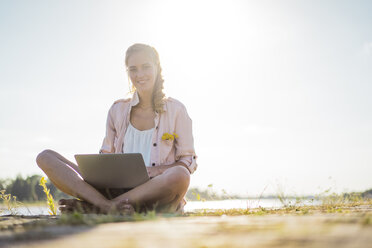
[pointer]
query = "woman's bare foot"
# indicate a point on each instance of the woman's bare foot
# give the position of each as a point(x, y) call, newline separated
point(123, 207)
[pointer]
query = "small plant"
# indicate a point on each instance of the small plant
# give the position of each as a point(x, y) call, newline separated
point(50, 200)
point(289, 202)
point(10, 202)
point(198, 197)
point(150, 215)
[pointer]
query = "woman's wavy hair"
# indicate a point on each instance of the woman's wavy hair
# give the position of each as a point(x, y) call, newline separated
point(157, 93)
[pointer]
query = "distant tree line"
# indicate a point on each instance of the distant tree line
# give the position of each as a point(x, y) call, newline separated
point(196, 194)
point(28, 189)
point(367, 194)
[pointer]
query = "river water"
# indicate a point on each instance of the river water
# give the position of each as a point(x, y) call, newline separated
point(190, 206)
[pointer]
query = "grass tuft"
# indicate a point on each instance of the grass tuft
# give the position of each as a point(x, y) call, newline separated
point(78, 218)
point(10, 202)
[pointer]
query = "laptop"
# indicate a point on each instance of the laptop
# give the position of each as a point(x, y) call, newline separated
point(112, 170)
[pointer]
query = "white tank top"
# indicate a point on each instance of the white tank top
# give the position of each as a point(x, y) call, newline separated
point(136, 141)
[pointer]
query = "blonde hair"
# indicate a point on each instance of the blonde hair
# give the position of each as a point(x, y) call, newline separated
point(157, 93)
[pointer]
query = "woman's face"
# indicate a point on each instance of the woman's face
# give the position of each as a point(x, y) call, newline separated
point(142, 72)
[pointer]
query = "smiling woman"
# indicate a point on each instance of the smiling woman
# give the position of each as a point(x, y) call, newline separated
point(137, 125)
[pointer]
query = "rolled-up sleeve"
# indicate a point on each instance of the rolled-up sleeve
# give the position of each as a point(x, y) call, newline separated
point(108, 141)
point(184, 144)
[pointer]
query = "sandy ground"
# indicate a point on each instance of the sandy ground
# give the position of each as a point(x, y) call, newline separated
point(348, 229)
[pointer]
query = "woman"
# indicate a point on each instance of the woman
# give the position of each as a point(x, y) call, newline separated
point(148, 123)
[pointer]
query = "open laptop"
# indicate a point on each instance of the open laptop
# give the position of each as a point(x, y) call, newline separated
point(111, 170)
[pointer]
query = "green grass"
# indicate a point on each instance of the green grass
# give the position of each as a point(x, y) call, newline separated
point(330, 203)
point(10, 202)
point(77, 218)
point(296, 210)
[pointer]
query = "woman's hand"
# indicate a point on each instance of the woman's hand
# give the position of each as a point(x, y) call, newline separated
point(154, 171)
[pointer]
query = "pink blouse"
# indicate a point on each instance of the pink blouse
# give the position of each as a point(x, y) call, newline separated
point(174, 119)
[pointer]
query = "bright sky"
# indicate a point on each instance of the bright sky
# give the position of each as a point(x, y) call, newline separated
point(279, 91)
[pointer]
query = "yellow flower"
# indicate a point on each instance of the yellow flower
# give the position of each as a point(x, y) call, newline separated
point(50, 200)
point(168, 136)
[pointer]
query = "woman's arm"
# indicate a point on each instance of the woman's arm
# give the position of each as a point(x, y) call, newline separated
point(184, 144)
point(158, 170)
point(108, 141)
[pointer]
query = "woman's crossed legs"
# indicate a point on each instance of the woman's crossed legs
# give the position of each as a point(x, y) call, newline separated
point(163, 192)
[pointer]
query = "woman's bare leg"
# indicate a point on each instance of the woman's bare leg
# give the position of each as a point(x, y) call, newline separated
point(65, 176)
point(165, 191)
